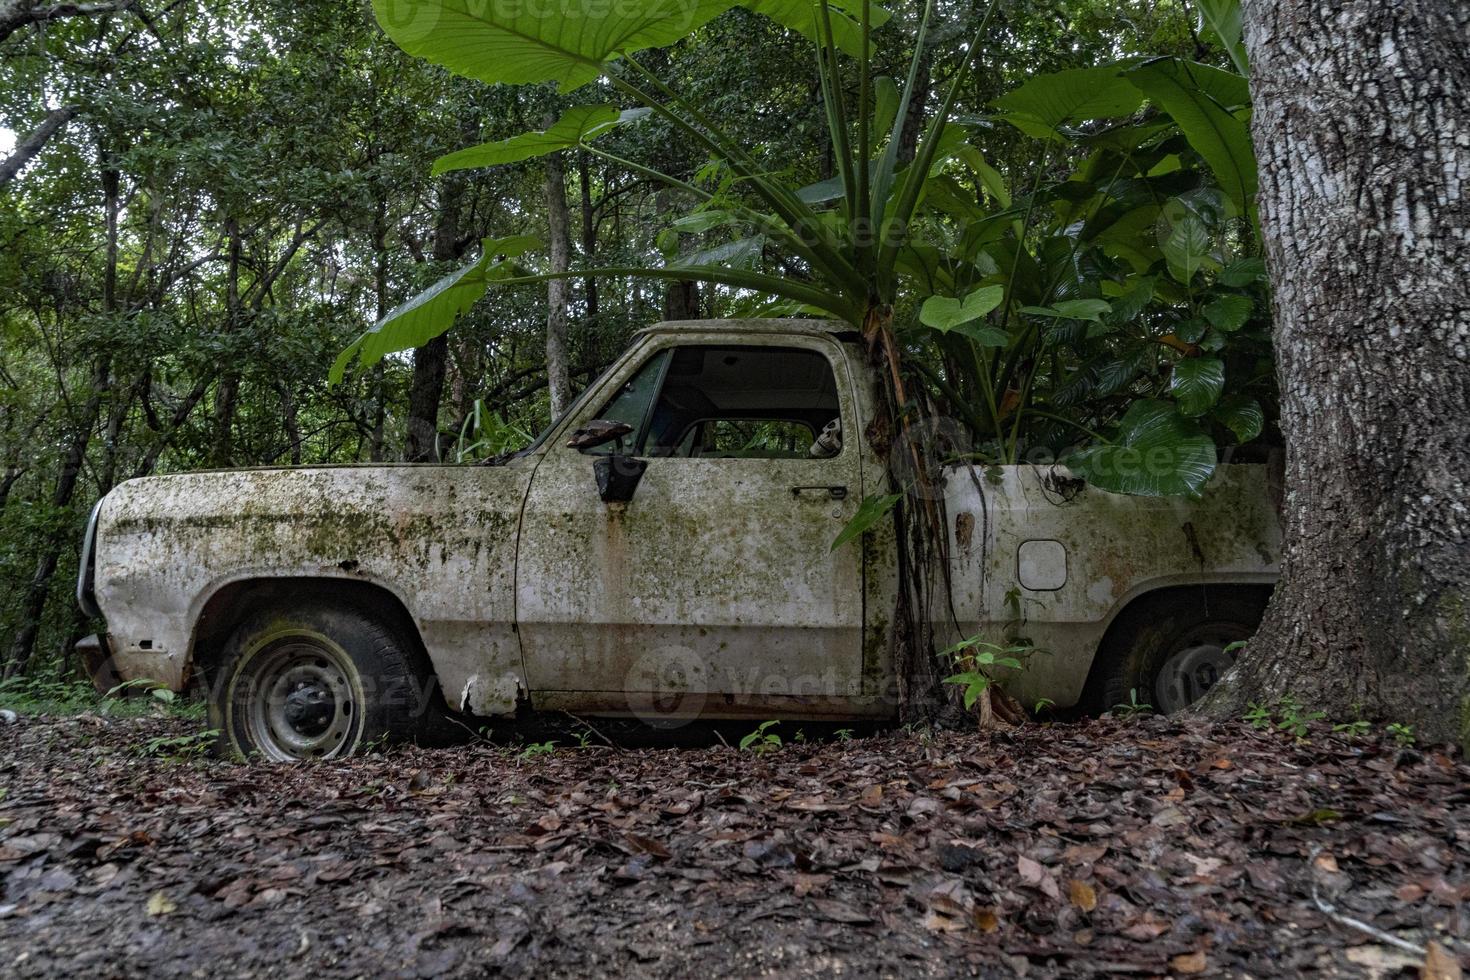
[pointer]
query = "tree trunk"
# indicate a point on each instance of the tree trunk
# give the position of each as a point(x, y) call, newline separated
point(1362, 128)
point(33, 605)
point(557, 290)
point(589, 239)
point(427, 388)
point(227, 396)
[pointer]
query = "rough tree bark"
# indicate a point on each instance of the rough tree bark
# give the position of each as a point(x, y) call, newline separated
point(1362, 128)
point(558, 291)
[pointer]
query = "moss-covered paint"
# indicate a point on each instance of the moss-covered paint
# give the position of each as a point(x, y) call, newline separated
point(714, 591)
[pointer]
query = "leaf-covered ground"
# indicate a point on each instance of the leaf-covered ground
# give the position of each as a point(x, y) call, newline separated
point(1103, 848)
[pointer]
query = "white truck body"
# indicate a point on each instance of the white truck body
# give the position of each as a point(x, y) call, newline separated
point(714, 591)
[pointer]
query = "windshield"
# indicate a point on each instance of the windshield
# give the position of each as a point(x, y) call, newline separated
point(576, 404)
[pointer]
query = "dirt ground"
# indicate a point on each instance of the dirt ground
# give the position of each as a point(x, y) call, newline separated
point(1137, 848)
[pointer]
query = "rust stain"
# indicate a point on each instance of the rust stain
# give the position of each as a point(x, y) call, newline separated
point(964, 529)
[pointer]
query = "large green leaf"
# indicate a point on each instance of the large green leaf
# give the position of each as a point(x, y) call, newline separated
point(801, 16)
point(944, 313)
point(1242, 415)
point(1228, 311)
point(1158, 453)
point(433, 311)
point(1072, 309)
point(576, 126)
point(1044, 102)
point(1197, 383)
point(519, 43)
point(1195, 96)
point(1186, 247)
point(1222, 19)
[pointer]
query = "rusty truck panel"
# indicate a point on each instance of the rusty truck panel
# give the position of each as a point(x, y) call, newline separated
point(441, 539)
point(1040, 555)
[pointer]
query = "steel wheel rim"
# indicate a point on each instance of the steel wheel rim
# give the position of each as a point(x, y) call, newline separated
point(301, 701)
point(1195, 664)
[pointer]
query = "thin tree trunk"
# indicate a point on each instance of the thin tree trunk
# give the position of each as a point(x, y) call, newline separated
point(33, 605)
point(681, 296)
point(558, 290)
point(226, 397)
point(589, 239)
point(429, 361)
point(380, 307)
point(290, 421)
point(1362, 128)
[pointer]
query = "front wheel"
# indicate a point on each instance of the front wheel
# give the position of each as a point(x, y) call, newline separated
point(316, 682)
point(1169, 651)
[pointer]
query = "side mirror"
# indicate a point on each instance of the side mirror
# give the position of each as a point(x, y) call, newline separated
point(617, 477)
point(597, 432)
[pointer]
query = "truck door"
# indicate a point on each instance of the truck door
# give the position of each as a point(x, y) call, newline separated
point(715, 589)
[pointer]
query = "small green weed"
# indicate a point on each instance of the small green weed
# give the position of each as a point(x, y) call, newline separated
point(762, 740)
point(180, 747)
point(536, 750)
point(1286, 714)
point(1401, 734)
point(1132, 708)
point(974, 658)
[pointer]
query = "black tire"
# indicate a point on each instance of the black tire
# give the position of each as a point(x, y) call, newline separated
point(317, 680)
point(1188, 623)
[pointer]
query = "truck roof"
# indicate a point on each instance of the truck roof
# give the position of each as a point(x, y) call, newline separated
point(753, 325)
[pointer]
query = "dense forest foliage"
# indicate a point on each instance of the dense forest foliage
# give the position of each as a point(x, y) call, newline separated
point(203, 204)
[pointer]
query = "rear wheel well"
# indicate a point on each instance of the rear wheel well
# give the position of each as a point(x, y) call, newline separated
point(227, 608)
point(1159, 604)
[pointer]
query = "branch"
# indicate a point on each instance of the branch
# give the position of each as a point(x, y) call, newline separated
point(26, 151)
point(21, 13)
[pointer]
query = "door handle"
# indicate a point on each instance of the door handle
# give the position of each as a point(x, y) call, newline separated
point(835, 492)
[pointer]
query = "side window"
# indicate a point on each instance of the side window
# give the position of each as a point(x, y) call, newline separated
point(744, 402)
point(632, 402)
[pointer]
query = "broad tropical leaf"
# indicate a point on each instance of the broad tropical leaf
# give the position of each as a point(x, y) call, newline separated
point(1044, 102)
point(1242, 415)
point(1186, 247)
point(1197, 384)
point(1222, 18)
point(519, 43)
point(1195, 97)
point(1228, 312)
point(1073, 309)
point(1243, 272)
point(1158, 453)
point(944, 313)
point(576, 126)
point(801, 16)
point(433, 311)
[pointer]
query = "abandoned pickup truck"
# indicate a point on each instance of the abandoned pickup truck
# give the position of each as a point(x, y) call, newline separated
point(663, 551)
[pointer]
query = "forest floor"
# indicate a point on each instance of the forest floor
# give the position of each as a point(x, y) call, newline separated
point(1113, 847)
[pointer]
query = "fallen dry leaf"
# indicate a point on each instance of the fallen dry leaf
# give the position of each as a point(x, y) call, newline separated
point(1083, 895)
point(160, 904)
point(1439, 964)
point(1189, 962)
